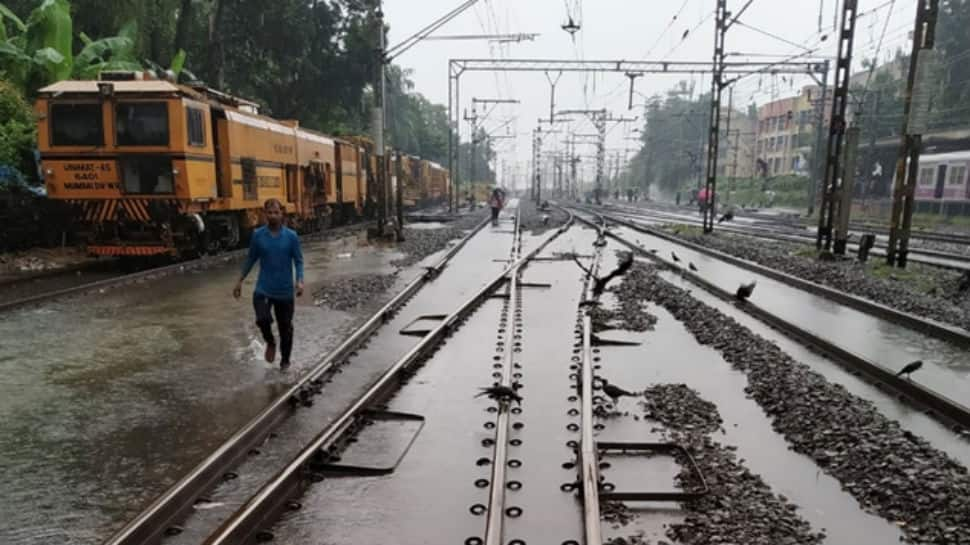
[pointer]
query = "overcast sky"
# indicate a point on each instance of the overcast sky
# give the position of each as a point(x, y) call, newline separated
point(621, 30)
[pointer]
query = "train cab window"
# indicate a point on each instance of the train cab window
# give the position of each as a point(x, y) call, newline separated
point(142, 123)
point(958, 176)
point(195, 126)
point(926, 176)
point(147, 175)
point(76, 125)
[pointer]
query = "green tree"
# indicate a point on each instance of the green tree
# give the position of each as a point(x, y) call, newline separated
point(17, 130)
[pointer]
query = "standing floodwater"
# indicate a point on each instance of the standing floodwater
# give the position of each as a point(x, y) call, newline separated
point(107, 399)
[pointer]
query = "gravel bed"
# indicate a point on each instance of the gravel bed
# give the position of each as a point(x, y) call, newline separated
point(740, 507)
point(352, 292)
point(420, 243)
point(890, 471)
point(930, 292)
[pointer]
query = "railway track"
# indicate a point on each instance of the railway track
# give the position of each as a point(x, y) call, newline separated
point(111, 279)
point(797, 224)
point(947, 260)
point(943, 405)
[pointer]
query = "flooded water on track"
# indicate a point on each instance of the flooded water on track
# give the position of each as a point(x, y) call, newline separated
point(109, 398)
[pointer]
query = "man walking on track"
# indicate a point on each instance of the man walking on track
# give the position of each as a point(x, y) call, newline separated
point(496, 202)
point(277, 248)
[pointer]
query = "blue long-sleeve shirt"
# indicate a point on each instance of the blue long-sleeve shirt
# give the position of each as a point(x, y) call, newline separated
point(277, 256)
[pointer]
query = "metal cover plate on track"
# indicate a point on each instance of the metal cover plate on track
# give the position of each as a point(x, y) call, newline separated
point(422, 325)
point(380, 445)
point(598, 340)
point(648, 450)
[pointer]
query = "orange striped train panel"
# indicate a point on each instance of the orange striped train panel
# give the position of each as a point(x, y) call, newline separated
point(129, 250)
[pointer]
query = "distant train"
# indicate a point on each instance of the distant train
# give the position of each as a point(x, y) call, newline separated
point(150, 167)
point(942, 185)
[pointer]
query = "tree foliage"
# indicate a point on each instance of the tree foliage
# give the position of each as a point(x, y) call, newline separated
point(673, 138)
point(17, 129)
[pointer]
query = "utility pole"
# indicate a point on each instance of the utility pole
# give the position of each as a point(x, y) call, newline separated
point(599, 120)
point(377, 122)
point(817, 169)
point(837, 126)
point(473, 122)
point(536, 149)
point(721, 25)
point(843, 196)
point(915, 113)
point(727, 129)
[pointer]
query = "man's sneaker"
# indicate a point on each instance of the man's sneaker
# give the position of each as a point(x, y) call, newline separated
point(270, 354)
point(284, 365)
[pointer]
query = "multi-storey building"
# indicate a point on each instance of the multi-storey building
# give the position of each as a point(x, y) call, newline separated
point(786, 133)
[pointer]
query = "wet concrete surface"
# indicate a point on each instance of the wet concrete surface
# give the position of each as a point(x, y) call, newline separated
point(427, 499)
point(946, 369)
point(109, 398)
point(549, 318)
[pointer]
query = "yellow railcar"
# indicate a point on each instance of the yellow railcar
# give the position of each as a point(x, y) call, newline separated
point(151, 167)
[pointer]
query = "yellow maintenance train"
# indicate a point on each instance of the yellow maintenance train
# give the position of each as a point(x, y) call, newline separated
point(151, 167)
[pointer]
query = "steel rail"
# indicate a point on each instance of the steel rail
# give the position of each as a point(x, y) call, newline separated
point(165, 270)
point(796, 223)
point(588, 456)
point(260, 509)
point(952, 412)
point(927, 259)
point(150, 525)
point(926, 326)
point(495, 524)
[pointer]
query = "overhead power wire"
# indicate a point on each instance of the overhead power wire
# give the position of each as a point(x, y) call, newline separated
point(413, 39)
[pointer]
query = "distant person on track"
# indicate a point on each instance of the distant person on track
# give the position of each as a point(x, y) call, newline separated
point(277, 248)
point(496, 202)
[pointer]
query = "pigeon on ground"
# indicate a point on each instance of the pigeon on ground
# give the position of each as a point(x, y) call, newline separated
point(676, 259)
point(745, 291)
point(691, 266)
point(501, 393)
point(615, 392)
point(910, 368)
point(964, 282)
point(728, 216)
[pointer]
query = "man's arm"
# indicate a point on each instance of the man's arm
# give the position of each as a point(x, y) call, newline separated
point(298, 262)
point(251, 259)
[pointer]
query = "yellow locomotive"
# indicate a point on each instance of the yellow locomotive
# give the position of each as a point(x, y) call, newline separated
point(151, 167)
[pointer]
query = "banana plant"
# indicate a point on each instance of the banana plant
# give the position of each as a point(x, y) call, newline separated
point(40, 52)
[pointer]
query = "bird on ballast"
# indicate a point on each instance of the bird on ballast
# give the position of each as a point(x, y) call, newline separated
point(910, 368)
point(653, 250)
point(964, 282)
point(501, 393)
point(599, 286)
point(745, 291)
point(676, 259)
point(615, 392)
point(728, 216)
point(691, 266)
